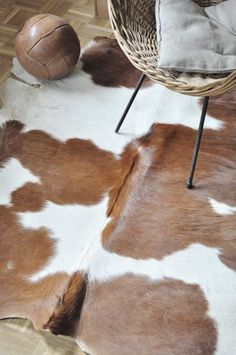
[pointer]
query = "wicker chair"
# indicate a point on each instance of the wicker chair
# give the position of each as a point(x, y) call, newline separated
point(134, 26)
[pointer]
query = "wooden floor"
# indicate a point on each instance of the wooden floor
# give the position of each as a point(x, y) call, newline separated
point(17, 336)
point(13, 14)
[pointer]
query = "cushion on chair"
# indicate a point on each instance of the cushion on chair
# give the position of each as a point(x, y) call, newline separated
point(224, 14)
point(189, 41)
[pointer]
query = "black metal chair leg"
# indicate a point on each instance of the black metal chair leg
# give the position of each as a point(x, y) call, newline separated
point(198, 142)
point(130, 102)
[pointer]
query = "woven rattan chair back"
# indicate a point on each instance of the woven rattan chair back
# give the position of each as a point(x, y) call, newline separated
point(134, 25)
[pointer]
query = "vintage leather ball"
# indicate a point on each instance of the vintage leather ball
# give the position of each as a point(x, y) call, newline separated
point(47, 47)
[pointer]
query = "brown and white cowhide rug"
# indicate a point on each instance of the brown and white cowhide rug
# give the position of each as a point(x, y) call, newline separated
point(100, 239)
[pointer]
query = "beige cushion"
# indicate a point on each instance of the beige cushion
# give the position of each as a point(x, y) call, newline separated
point(189, 41)
point(224, 14)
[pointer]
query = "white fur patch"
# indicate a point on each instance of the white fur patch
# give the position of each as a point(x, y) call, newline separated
point(221, 208)
point(22, 74)
point(75, 107)
point(13, 176)
point(74, 228)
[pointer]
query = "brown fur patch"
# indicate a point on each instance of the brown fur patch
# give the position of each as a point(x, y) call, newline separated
point(72, 172)
point(132, 315)
point(156, 215)
point(28, 198)
point(17, 243)
point(35, 301)
point(64, 319)
point(223, 107)
point(108, 66)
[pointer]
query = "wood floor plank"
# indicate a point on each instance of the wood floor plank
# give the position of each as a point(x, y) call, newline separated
point(19, 337)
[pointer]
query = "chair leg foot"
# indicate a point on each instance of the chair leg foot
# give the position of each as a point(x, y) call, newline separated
point(189, 185)
point(130, 102)
point(197, 143)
